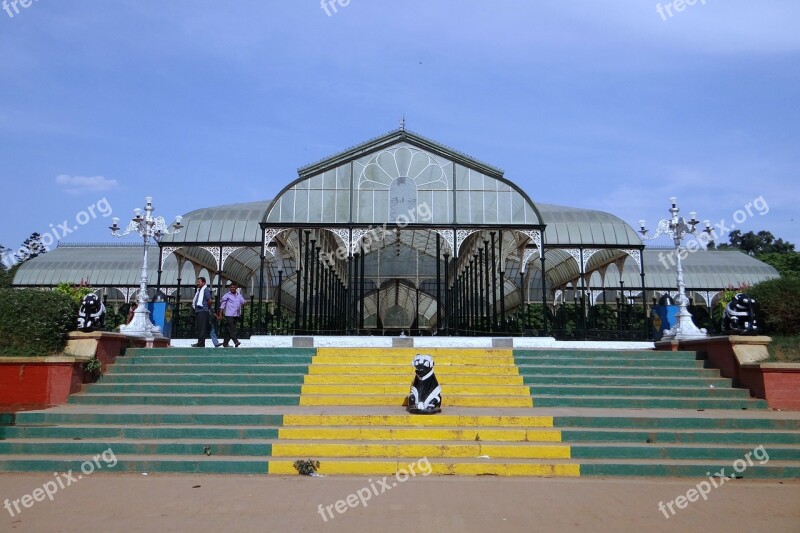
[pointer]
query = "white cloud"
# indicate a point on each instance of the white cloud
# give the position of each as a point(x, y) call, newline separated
point(81, 184)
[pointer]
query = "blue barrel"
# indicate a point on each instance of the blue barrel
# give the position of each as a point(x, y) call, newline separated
point(663, 317)
point(161, 315)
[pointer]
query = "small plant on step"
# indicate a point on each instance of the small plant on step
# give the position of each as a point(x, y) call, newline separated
point(92, 366)
point(306, 467)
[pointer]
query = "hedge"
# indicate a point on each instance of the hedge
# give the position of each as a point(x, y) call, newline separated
point(778, 300)
point(35, 322)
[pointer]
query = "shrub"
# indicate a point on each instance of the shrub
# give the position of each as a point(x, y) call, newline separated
point(778, 300)
point(35, 322)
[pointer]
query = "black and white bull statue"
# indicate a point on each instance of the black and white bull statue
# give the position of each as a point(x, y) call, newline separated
point(92, 314)
point(426, 394)
point(740, 317)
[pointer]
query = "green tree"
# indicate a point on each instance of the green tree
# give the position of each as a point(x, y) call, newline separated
point(787, 264)
point(763, 242)
point(32, 247)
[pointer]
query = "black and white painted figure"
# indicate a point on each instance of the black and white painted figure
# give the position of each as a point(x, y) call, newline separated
point(740, 316)
point(426, 394)
point(92, 314)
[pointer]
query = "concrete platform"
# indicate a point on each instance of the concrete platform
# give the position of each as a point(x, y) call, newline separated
point(210, 503)
point(287, 341)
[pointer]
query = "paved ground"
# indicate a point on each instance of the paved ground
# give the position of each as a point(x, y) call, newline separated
point(126, 503)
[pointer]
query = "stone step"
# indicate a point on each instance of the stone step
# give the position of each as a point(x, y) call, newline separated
point(632, 381)
point(598, 370)
point(188, 388)
point(609, 361)
point(647, 402)
point(113, 377)
point(183, 399)
point(210, 368)
point(663, 391)
point(751, 438)
point(396, 400)
point(83, 432)
point(623, 354)
point(226, 359)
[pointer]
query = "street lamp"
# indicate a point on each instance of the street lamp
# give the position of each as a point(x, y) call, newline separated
point(677, 228)
point(147, 226)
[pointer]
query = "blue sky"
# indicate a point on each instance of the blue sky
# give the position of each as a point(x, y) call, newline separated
point(602, 105)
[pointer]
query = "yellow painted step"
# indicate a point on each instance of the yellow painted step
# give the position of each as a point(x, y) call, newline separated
point(387, 359)
point(444, 379)
point(471, 450)
point(406, 370)
point(403, 389)
point(397, 400)
point(390, 468)
point(407, 420)
point(409, 353)
point(430, 434)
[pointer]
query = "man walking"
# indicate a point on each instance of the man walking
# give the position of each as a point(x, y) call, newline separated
point(231, 306)
point(201, 303)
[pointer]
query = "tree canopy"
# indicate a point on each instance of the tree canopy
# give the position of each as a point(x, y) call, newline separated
point(765, 247)
point(763, 242)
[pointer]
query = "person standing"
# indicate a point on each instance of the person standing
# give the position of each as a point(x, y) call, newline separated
point(231, 306)
point(201, 303)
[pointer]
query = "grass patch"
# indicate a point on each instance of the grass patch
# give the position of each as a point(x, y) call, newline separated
point(784, 349)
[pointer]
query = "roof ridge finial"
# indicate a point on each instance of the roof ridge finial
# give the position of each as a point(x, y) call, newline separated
point(403, 123)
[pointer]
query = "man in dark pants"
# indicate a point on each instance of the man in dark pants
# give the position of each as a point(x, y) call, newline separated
point(231, 306)
point(201, 303)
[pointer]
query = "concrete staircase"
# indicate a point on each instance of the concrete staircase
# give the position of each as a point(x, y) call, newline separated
point(521, 412)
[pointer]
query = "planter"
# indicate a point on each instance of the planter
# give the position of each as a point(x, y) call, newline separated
point(41, 382)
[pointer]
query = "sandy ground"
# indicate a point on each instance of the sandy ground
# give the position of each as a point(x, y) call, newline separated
point(200, 503)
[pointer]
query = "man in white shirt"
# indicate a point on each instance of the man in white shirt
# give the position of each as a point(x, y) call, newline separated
point(201, 303)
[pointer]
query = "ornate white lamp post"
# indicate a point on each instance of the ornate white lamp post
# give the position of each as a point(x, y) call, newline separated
point(148, 227)
point(677, 228)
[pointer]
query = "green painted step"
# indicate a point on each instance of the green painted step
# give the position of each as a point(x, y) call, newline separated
point(694, 436)
point(136, 432)
point(644, 381)
point(628, 354)
point(662, 391)
point(598, 370)
point(182, 388)
point(696, 471)
point(210, 350)
point(229, 359)
point(677, 422)
point(647, 403)
point(89, 448)
point(713, 452)
point(165, 464)
point(174, 399)
point(49, 417)
point(209, 369)
point(213, 378)
point(603, 361)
